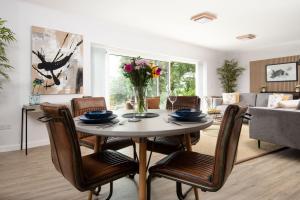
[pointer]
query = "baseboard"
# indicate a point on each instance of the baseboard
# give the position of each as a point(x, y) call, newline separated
point(14, 147)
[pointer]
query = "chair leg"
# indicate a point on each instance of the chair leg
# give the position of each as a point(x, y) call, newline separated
point(258, 144)
point(134, 151)
point(111, 188)
point(135, 157)
point(149, 187)
point(179, 191)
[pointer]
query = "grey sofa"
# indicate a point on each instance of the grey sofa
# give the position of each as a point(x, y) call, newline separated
point(278, 126)
point(249, 100)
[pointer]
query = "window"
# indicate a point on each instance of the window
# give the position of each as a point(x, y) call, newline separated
point(182, 80)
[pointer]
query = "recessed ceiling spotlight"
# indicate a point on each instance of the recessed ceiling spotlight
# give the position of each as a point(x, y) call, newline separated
point(246, 37)
point(204, 17)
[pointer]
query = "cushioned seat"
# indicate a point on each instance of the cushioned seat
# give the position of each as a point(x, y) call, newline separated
point(100, 167)
point(206, 172)
point(186, 166)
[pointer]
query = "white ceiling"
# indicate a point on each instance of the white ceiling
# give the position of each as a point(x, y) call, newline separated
point(275, 22)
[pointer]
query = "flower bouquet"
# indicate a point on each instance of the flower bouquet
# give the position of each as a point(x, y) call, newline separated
point(140, 72)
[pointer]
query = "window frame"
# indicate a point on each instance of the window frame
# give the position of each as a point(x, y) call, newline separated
point(159, 57)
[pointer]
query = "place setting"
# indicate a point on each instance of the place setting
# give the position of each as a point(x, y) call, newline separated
point(100, 119)
point(186, 116)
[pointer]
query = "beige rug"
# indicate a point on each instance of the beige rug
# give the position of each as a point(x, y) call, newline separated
point(247, 148)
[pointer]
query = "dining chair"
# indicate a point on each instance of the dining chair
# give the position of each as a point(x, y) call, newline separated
point(82, 105)
point(170, 144)
point(209, 173)
point(167, 145)
point(153, 102)
point(85, 173)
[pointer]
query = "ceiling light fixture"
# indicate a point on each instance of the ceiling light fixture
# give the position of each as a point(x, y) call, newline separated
point(204, 17)
point(246, 37)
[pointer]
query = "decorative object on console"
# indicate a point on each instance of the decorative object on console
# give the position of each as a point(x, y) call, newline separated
point(297, 88)
point(228, 75)
point(6, 37)
point(263, 88)
point(230, 98)
point(57, 59)
point(282, 72)
point(140, 72)
point(34, 98)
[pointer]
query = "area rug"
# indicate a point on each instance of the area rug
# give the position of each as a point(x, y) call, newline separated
point(247, 148)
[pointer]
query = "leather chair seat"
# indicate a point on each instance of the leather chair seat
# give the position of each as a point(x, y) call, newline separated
point(168, 145)
point(114, 143)
point(190, 167)
point(107, 165)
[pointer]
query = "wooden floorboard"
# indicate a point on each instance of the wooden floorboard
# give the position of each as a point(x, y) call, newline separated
point(271, 177)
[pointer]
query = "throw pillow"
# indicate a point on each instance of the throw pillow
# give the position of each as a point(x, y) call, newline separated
point(230, 98)
point(289, 104)
point(274, 99)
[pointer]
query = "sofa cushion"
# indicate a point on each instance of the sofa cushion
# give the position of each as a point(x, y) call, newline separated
point(289, 104)
point(262, 99)
point(230, 98)
point(274, 99)
point(247, 99)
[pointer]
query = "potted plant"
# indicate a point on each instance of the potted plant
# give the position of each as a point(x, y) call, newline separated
point(6, 37)
point(228, 75)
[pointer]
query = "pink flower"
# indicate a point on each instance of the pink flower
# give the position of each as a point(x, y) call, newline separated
point(157, 71)
point(128, 68)
point(141, 62)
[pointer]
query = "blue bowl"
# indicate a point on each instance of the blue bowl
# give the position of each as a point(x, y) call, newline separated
point(98, 114)
point(188, 112)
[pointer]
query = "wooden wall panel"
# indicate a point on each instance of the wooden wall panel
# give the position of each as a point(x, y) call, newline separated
point(258, 75)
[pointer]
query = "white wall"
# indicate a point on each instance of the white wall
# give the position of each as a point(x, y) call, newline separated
point(244, 58)
point(21, 16)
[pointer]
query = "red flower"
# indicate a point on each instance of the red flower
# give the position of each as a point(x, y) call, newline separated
point(128, 68)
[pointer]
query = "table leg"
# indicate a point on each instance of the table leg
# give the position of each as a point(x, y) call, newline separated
point(142, 169)
point(189, 148)
point(26, 131)
point(22, 125)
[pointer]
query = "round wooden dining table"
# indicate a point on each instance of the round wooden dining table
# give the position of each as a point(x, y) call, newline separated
point(140, 131)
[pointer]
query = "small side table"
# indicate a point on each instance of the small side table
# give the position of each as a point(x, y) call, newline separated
point(25, 110)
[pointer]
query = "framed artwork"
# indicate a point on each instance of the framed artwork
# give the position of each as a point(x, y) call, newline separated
point(282, 72)
point(57, 61)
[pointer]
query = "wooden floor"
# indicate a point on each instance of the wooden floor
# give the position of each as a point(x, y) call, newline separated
point(272, 177)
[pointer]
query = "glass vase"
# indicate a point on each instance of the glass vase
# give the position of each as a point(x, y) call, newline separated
point(34, 99)
point(141, 100)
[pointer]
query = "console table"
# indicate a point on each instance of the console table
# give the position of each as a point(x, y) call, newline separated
point(25, 110)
